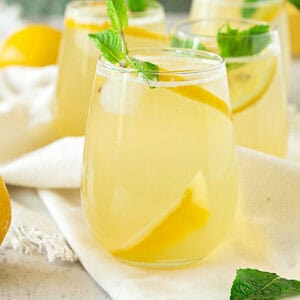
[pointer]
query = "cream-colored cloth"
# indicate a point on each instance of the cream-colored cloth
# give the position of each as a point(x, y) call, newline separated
point(26, 114)
point(265, 234)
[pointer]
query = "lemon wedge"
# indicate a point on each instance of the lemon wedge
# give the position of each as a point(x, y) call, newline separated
point(188, 214)
point(191, 213)
point(34, 45)
point(267, 13)
point(5, 210)
point(249, 82)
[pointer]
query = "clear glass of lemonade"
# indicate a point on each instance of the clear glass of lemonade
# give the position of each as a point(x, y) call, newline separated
point(78, 55)
point(256, 87)
point(272, 11)
point(159, 182)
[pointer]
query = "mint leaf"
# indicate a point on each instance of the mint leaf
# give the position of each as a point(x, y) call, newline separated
point(186, 43)
point(147, 70)
point(251, 284)
point(116, 11)
point(237, 43)
point(137, 5)
point(248, 12)
point(296, 3)
point(109, 42)
point(112, 42)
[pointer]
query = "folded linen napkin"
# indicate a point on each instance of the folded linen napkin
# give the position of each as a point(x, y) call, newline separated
point(26, 114)
point(265, 235)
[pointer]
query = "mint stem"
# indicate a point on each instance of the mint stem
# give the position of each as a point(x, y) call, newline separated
point(123, 48)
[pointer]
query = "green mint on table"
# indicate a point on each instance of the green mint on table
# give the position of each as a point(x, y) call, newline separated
point(186, 43)
point(113, 46)
point(251, 284)
point(237, 43)
point(296, 3)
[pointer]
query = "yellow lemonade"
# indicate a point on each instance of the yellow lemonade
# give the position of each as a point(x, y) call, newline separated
point(256, 87)
point(78, 56)
point(159, 182)
point(294, 25)
point(272, 11)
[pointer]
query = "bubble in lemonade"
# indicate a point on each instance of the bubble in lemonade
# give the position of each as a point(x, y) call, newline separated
point(78, 55)
point(272, 11)
point(159, 183)
point(252, 53)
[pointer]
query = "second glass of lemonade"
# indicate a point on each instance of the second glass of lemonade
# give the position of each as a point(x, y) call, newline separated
point(159, 182)
point(272, 11)
point(255, 77)
point(78, 55)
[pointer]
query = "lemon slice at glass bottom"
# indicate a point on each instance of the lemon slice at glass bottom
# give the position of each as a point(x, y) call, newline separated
point(191, 213)
point(249, 82)
point(188, 213)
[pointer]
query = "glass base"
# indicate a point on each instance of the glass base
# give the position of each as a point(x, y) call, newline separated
point(178, 264)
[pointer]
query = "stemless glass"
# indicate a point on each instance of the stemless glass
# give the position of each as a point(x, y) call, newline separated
point(78, 56)
point(159, 182)
point(256, 86)
point(272, 11)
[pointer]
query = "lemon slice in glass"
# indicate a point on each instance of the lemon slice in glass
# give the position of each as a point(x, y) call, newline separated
point(249, 82)
point(130, 31)
point(267, 13)
point(189, 214)
point(169, 226)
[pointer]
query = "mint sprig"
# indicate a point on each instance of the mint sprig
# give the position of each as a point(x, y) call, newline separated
point(252, 284)
point(248, 12)
point(296, 3)
point(113, 46)
point(236, 43)
point(138, 5)
point(186, 43)
point(117, 14)
point(109, 42)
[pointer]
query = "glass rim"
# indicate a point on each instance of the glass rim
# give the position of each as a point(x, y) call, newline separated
point(259, 3)
point(177, 27)
point(198, 53)
point(78, 4)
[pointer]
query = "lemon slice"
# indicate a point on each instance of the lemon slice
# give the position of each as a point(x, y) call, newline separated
point(187, 213)
point(5, 210)
point(196, 93)
point(134, 31)
point(190, 213)
point(34, 45)
point(267, 13)
point(249, 82)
